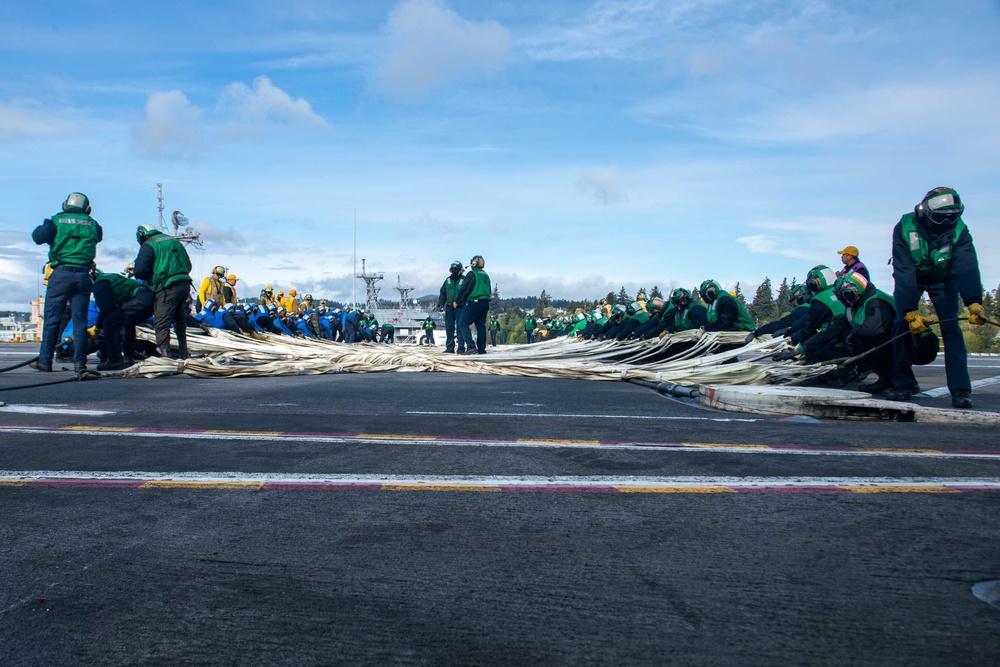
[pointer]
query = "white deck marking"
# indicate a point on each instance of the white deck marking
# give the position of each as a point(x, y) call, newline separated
point(54, 410)
point(938, 392)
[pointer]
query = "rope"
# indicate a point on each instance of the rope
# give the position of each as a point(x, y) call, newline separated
point(685, 358)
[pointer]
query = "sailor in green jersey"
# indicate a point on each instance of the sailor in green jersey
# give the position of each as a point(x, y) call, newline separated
point(72, 237)
point(635, 317)
point(529, 328)
point(448, 301)
point(687, 314)
point(494, 329)
point(474, 297)
point(725, 312)
point(122, 303)
point(932, 252)
point(798, 299)
point(429, 325)
point(164, 265)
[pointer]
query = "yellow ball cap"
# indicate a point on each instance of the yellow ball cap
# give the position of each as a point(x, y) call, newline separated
point(849, 250)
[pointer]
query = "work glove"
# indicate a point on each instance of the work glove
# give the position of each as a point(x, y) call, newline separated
point(851, 343)
point(93, 333)
point(454, 304)
point(977, 315)
point(918, 323)
point(662, 334)
point(750, 338)
point(787, 355)
point(780, 332)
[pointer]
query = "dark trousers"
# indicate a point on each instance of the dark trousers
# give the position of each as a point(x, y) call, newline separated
point(169, 305)
point(493, 338)
point(73, 287)
point(388, 336)
point(474, 312)
point(430, 336)
point(529, 334)
point(944, 296)
point(452, 316)
point(119, 325)
point(350, 332)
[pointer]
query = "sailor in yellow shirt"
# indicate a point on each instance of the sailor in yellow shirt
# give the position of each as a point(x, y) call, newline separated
point(290, 303)
point(211, 287)
point(229, 289)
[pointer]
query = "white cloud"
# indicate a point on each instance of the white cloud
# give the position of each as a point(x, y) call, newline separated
point(431, 46)
point(603, 185)
point(29, 120)
point(176, 129)
point(253, 108)
point(171, 128)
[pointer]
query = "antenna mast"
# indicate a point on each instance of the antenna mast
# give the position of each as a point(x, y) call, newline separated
point(189, 236)
point(371, 291)
point(404, 292)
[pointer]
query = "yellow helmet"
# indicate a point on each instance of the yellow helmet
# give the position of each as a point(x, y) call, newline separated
point(281, 293)
point(232, 276)
point(219, 271)
point(292, 292)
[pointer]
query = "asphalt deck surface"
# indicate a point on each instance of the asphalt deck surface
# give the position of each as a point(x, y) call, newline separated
point(425, 518)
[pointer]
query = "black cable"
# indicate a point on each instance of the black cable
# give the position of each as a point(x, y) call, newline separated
point(23, 363)
point(41, 384)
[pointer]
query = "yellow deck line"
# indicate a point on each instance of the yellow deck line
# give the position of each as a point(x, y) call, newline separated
point(415, 486)
point(183, 484)
point(675, 489)
point(898, 489)
point(115, 429)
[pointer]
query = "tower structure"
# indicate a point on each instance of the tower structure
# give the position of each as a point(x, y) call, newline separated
point(371, 287)
point(404, 292)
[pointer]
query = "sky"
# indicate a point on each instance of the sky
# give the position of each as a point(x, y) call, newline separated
point(578, 146)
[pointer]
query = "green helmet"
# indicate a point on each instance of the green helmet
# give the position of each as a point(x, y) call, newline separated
point(76, 202)
point(655, 305)
point(143, 232)
point(851, 287)
point(709, 291)
point(456, 266)
point(678, 296)
point(941, 208)
point(820, 278)
point(798, 295)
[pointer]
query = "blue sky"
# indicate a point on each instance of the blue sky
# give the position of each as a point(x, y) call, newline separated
point(578, 146)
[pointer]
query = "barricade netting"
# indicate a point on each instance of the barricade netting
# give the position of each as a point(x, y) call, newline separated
point(684, 358)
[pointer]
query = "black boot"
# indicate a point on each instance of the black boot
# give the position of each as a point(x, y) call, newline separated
point(962, 399)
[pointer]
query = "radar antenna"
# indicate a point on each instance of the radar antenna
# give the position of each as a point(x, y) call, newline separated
point(371, 290)
point(189, 236)
point(404, 292)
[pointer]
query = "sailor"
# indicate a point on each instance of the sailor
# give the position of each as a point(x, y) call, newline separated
point(798, 299)
point(687, 314)
point(932, 252)
point(266, 297)
point(824, 306)
point(290, 303)
point(635, 316)
point(529, 328)
point(475, 297)
point(72, 237)
point(388, 333)
point(229, 289)
point(448, 300)
point(164, 264)
point(211, 287)
point(725, 312)
point(122, 303)
point(849, 257)
point(428, 326)
point(494, 329)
